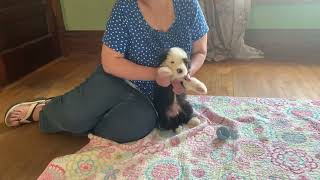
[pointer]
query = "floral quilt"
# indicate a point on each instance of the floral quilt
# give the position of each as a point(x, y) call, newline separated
point(278, 139)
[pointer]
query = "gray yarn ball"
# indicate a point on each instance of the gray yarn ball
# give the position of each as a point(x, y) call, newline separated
point(223, 133)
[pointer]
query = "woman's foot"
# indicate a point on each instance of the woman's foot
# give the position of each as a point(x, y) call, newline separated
point(24, 113)
point(21, 112)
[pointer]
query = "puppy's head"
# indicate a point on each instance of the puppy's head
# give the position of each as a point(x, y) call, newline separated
point(177, 60)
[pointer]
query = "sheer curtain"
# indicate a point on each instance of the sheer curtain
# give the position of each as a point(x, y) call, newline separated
point(227, 20)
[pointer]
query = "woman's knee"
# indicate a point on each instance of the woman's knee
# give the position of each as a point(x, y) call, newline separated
point(77, 122)
point(54, 120)
point(129, 122)
point(128, 131)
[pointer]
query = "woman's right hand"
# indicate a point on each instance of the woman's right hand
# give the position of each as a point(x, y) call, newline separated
point(163, 78)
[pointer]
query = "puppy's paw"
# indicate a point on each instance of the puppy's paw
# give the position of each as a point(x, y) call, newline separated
point(199, 86)
point(193, 122)
point(179, 129)
point(196, 86)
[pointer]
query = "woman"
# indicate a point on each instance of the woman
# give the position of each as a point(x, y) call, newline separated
point(115, 101)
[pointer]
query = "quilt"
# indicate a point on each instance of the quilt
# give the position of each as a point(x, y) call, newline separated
point(278, 139)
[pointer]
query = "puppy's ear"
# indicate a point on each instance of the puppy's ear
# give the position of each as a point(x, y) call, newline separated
point(187, 62)
point(164, 55)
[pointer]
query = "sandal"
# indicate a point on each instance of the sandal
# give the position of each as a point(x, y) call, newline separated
point(28, 117)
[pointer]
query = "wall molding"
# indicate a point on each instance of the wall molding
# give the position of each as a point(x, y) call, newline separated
point(285, 43)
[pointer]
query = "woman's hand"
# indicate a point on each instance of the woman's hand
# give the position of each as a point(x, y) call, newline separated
point(163, 78)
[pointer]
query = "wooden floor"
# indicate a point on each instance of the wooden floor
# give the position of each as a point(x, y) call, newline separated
point(25, 151)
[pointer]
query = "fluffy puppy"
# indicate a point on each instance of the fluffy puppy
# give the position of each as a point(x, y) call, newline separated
point(173, 109)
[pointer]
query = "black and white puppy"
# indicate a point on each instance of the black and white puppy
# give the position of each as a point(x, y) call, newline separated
point(173, 109)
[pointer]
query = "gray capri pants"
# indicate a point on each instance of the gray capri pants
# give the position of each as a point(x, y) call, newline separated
point(104, 105)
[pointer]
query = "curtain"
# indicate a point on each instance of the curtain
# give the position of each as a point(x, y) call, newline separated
point(227, 20)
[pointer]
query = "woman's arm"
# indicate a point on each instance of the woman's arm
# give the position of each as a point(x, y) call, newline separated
point(114, 63)
point(199, 53)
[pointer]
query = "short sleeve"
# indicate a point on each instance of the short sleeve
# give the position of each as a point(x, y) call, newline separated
point(199, 25)
point(116, 34)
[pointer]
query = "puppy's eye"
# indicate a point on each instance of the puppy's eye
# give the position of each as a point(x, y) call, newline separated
point(172, 62)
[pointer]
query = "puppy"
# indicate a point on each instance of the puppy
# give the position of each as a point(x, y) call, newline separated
point(173, 109)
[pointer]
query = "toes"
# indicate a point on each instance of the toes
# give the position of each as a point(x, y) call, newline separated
point(14, 123)
point(14, 118)
point(17, 110)
point(15, 114)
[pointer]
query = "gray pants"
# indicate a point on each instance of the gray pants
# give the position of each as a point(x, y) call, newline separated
point(103, 105)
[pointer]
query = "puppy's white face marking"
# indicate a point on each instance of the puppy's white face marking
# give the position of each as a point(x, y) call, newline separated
point(174, 109)
point(175, 61)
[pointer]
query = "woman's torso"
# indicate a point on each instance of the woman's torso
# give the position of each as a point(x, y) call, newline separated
point(145, 44)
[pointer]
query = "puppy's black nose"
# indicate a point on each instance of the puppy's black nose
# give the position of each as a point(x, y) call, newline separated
point(179, 71)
